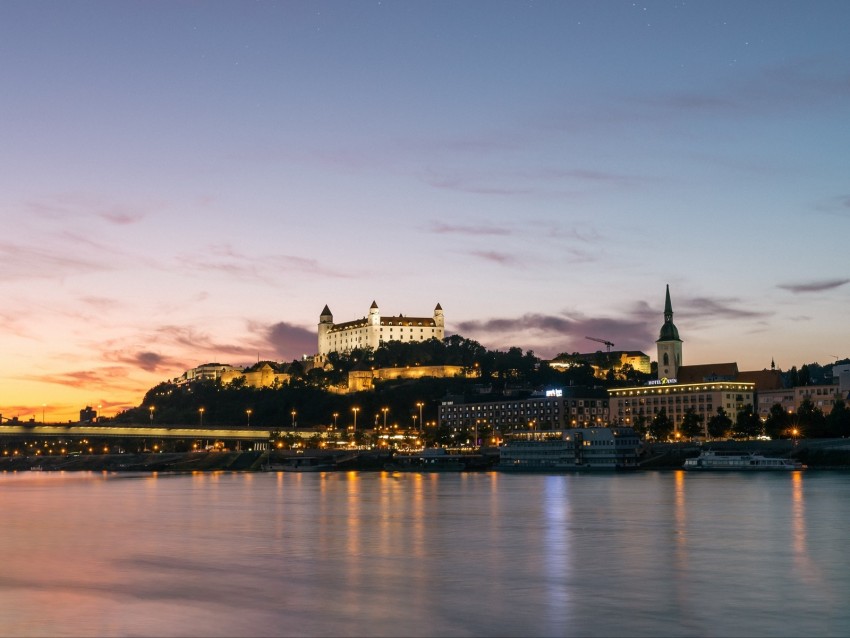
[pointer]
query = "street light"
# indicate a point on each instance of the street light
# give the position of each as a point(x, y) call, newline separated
point(385, 410)
point(248, 412)
point(354, 427)
point(201, 416)
point(419, 405)
point(151, 409)
point(336, 414)
point(293, 419)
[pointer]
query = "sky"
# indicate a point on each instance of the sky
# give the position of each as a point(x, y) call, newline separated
point(191, 182)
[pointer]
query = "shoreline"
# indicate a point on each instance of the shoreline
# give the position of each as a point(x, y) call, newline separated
point(828, 455)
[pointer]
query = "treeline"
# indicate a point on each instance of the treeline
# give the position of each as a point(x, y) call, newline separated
point(808, 422)
point(308, 394)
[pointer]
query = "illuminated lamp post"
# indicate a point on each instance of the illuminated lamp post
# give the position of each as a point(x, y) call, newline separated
point(248, 412)
point(151, 411)
point(419, 405)
point(336, 414)
point(385, 410)
point(201, 416)
point(293, 419)
point(354, 427)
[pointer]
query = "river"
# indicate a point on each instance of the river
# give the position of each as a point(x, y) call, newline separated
point(381, 554)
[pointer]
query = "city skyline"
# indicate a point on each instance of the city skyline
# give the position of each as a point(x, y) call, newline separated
point(192, 183)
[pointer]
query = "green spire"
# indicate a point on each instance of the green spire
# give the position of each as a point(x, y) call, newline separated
point(669, 332)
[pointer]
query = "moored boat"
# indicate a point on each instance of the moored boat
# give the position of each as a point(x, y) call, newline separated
point(430, 460)
point(595, 448)
point(710, 460)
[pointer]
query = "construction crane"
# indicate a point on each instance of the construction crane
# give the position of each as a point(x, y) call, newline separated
point(608, 344)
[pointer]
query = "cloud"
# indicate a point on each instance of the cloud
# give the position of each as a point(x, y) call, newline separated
point(199, 342)
point(552, 180)
point(707, 307)
point(267, 268)
point(290, 341)
point(814, 286)
point(19, 261)
point(442, 228)
point(63, 206)
point(494, 256)
point(553, 334)
point(113, 378)
point(797, 83)
point(838, 205)
point(148, 361)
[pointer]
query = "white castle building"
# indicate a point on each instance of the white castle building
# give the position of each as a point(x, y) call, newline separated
point(373, 330)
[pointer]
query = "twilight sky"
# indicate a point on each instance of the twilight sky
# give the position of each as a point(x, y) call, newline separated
point(186, 182)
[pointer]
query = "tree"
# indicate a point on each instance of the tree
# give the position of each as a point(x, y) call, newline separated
point(661, 427)
point(641, 424)
point(777, 422)
point(838, 420)
point(691, 424)
point(747, 423)
point(719, 425)
point(810, 420)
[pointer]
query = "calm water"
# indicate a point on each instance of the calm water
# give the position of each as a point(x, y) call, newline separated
point(377, 554)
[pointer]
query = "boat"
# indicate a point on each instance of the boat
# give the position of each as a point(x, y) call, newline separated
point(430, 460)
point(595, 448)
point(710, 460)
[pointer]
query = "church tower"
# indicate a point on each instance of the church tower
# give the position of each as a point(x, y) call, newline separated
point(668, 343)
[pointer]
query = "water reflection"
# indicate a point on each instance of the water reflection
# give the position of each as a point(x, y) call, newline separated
point(656, 554)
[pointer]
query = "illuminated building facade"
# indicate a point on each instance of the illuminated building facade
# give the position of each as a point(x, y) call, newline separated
point(553, 410)
point(676, 398)
point(373, 330)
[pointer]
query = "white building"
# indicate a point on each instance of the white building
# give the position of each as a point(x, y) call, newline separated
point(373, 330)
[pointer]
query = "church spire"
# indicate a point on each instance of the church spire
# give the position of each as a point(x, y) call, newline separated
point(669, 332)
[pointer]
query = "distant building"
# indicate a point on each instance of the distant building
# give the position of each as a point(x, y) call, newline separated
point(554, 409)
point(605, 362)
point(87, 415)
point(263, 374)
point(206, 372)
point(359, 380)
point(676, 398)
point(703, 388)
point(373, 330)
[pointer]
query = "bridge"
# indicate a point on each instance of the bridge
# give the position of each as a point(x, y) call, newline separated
point(102, 430)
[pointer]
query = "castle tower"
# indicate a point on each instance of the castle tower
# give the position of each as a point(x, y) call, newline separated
point(374, 315)
point(668, 343)
point(439, 320)
point(326, 322)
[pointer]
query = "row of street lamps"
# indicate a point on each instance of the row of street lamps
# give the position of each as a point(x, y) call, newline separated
point(354, 410)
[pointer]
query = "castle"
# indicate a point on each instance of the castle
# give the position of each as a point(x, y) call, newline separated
point(374, 330)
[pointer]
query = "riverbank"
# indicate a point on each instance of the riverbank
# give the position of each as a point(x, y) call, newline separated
point(815, 454)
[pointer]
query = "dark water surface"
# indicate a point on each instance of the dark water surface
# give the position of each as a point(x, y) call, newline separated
point(379, 554)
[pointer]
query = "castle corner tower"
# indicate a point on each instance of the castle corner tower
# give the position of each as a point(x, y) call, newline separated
point(669, 345)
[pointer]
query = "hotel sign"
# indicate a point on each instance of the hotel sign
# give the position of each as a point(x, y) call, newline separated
point(554, 393)
point(662, 381)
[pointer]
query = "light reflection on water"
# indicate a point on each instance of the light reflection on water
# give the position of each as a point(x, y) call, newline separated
point(382, 554)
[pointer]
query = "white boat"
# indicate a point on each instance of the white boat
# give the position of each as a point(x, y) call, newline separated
point(710, 460)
